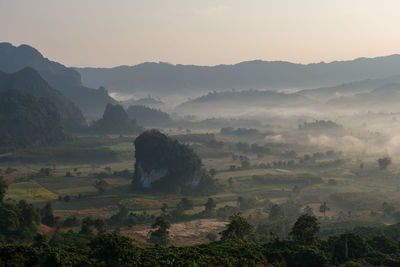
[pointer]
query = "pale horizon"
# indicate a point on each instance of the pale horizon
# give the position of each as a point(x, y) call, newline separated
point(109, 34)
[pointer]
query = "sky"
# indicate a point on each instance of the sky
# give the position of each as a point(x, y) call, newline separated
point(105, 33)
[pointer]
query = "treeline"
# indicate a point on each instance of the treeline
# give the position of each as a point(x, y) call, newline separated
point(238, 246)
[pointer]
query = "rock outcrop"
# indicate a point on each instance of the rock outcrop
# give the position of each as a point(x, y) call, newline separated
point(164, 164)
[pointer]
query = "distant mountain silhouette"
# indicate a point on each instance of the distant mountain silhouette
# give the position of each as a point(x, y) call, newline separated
point(29, 81)
point(91, 101)
point(164, 78)
point(26, 120)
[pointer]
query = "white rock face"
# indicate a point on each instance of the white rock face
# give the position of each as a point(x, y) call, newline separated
point(146, 178)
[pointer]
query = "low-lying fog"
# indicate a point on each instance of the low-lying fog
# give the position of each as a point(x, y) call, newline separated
point(370, 116)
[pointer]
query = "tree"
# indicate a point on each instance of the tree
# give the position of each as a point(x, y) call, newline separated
point(86, 227)
point(9, 221)
point(246, 203)
point(161, 235)
point(210, 205)
point(383, 244)
point(323, 208)
point(100, 225)
point(164, 207)
point(178, 212)
point(387, 209)
point(348, 246)
point(113, 249)
point(71, 221)
point(3, 188)
point(384, 162)
point(101, 185)
point(276, 212)
point(238, 228)
point(308, 210)
point(245, 162)
point(212, 172)
point(305, 229)
point(47, 215)
point(230, 182)
point(39, 241)
point(29, 215)
point(187, 204)
point(121, 216)
point(296, 190)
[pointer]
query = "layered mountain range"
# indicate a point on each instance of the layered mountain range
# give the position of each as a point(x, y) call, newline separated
point(91, 102)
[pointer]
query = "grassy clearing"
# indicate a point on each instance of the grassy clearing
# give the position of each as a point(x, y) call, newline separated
point(29, 191)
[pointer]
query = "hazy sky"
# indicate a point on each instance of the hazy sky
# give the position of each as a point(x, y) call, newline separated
point(202, 32)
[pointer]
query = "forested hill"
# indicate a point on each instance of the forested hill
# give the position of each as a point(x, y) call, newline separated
point(244, 99)
point(115, 120)
point(29, 81)
point(255, 74)
point(26, 120)
point(148, 116)
point(91, 101)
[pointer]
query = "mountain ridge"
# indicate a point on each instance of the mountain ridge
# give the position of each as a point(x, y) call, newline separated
point(257, 74)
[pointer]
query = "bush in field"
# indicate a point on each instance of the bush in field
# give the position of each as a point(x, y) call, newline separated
point(212, 236)
point(87, 225)
point(209, 206)
point(71, 221)
point(187, 204)
point(226, 211)
point(3, 188)
point(246, 203)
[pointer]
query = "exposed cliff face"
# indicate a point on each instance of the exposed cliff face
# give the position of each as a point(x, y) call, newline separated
point(148, 178)
point(164, 164)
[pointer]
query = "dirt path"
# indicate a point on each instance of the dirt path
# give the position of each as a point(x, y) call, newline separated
point(182, 234)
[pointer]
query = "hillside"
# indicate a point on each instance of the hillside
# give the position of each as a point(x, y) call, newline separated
point(385, 98)
point(238, 101)
point(29, 81)
point(345, 89)
point(26, 120)
point(148, 116)
point(91, 101)
point(147, 101)
point(257, 74)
